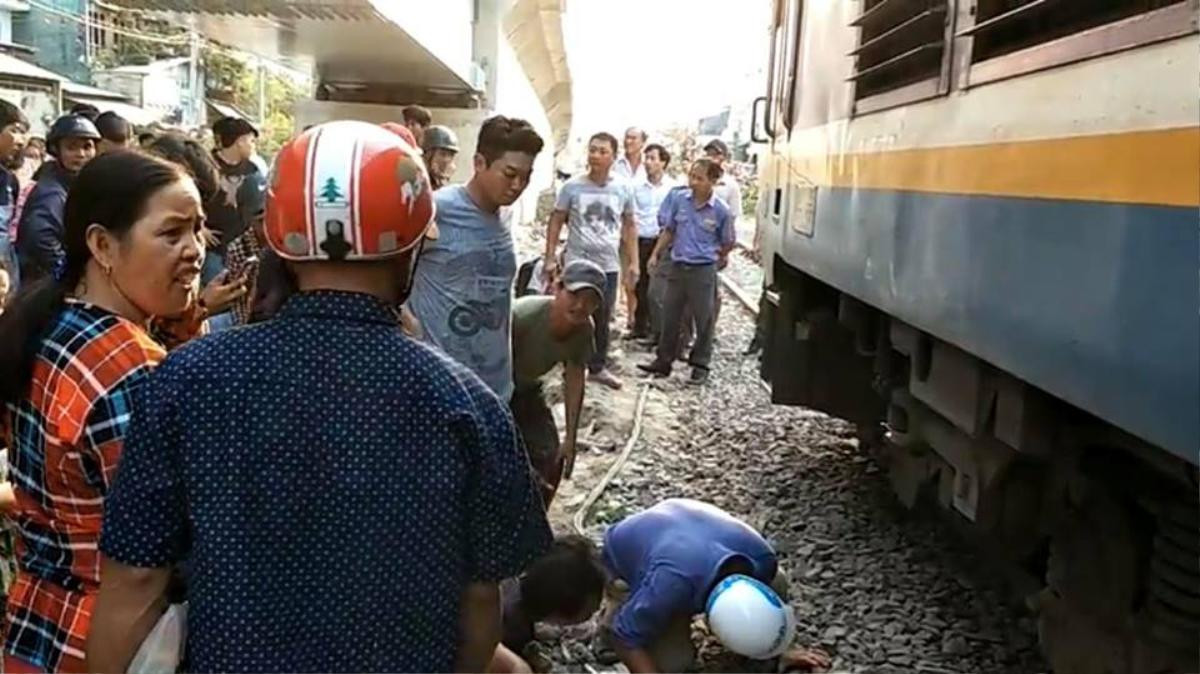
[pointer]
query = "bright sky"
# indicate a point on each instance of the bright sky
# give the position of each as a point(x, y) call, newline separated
point(661, 63)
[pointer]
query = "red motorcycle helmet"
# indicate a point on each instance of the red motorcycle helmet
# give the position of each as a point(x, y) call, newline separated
point(402, 131)
point(345, 191)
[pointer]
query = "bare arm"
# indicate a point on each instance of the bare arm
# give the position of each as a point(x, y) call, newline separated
point(505, 661)
point(664, 242)
point(8, 498)
point(638, 660)
point(410, 324)
point(573, 380)
point(131, 601)
point(629, 240)
point(553, 230)
point(479, 627)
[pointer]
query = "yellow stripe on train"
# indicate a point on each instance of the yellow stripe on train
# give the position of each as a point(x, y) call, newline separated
point(1142, 167)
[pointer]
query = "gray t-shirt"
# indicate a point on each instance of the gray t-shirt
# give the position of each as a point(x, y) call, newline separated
point(462, 292)
point(594, 219)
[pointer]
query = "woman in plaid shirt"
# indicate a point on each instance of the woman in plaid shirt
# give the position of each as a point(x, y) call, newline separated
point(73, 348)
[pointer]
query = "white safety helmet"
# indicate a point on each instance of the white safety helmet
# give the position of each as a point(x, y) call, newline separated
point(749, 618)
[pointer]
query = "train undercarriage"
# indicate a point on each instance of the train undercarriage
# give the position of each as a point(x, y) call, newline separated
point(1099, 530)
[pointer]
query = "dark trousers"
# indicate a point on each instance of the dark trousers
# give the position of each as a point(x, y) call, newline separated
point(658, 292)
point(694, 287)
point(536, 424)
point(602, 317)
point(641, 317)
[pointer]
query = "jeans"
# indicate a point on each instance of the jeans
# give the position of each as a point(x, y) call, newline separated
point(691, 287)
point(602, 317)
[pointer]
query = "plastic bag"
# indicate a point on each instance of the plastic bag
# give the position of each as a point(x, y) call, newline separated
point(162, 650)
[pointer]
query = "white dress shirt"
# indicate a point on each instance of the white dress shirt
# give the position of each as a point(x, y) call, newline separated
point(624, 169)
point(647, 198)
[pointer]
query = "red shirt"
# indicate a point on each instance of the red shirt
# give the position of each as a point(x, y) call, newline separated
point(66, 439)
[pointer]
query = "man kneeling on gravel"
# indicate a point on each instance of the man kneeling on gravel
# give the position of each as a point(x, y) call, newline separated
point(563, 587)
point(549, 330)
point(684, 557)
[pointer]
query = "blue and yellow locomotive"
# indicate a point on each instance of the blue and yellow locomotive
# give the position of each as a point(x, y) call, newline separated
point(980, 227)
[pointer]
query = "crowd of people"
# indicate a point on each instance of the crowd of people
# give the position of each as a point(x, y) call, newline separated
point(308, 405)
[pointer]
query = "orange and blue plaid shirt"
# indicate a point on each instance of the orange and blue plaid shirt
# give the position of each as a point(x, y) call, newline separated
point(66, 439)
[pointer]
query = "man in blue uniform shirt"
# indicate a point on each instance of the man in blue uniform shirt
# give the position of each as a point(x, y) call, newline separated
point(698, 228)
point(667, 560)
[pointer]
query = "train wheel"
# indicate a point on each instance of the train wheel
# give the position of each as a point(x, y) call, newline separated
point(1085, 611)
point(1170, 619)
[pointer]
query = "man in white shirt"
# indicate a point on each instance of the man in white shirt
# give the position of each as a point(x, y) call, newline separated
point(630, 165)
point(648, 196)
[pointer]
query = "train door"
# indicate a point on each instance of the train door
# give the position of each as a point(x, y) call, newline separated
point(804, 336)
point(773, 114)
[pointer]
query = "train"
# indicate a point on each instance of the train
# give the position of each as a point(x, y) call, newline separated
point(979, 222)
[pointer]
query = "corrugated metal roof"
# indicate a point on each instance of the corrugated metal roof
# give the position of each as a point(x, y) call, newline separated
point(349, 10)
point(150, 67)
point(11, 65)
point(226, 109)
point(77, 89)
point(134, 114)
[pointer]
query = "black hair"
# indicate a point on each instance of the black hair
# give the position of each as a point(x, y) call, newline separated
point(179, 149)
point(86, 110)
point(606, 137)
point(717, 145)
point(111, 191)
point(561, 581)
point(735, 565)
point(662, 153)
point(229, 129)
point(11, 114)
point(145, 138)
point(416, 113)
point(712, 168)
point(502, 134)
point(113, 127)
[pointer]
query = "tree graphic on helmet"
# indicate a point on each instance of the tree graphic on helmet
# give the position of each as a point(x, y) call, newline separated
point(331, 193)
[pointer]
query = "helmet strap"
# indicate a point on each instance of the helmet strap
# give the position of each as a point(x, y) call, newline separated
point(406, 289)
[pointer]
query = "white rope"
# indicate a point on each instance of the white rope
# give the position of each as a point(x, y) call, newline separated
point(580, 519)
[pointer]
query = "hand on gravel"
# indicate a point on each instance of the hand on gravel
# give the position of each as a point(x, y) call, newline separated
point(804, 660)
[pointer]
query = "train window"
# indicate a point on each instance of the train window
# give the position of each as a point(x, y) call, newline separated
point(1004, 26)
point(774, 74)
point(785, 59)
point(901, 42)
point(788, 98)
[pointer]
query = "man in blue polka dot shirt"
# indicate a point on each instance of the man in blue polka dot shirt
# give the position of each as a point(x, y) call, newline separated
point(340, 497)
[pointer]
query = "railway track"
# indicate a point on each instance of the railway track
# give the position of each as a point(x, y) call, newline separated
point(881, 590)
point(749, 304)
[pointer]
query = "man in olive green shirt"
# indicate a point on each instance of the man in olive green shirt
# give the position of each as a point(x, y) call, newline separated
point(549, 330)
